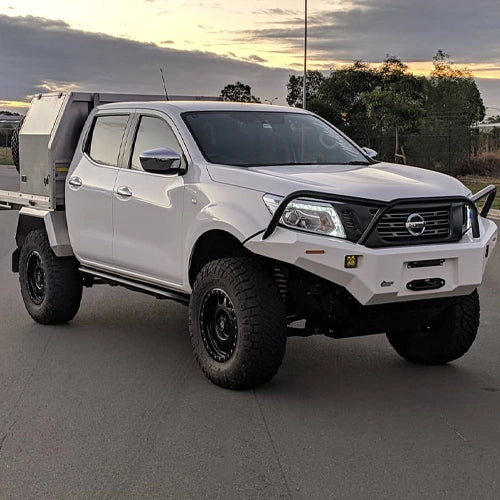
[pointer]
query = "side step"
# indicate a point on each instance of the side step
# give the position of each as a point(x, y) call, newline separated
point(137, 286)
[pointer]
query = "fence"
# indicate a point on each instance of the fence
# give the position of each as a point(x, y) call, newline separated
point(6, 132)
point(438, 142)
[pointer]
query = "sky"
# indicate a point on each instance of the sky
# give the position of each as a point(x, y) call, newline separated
point(119, 45)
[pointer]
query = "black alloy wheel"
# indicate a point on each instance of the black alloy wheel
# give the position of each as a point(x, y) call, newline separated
point(219, 325)
point(35, 277)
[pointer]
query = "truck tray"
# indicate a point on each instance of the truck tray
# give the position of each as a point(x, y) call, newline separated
point(10, 200)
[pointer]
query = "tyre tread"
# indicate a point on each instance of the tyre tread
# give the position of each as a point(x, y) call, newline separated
point(64, 286)
point(448, 343)
point(262, 325)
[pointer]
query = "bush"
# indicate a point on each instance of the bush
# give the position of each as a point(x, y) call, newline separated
point(485, 164)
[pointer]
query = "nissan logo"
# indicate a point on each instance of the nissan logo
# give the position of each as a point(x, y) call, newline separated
point(415, 224)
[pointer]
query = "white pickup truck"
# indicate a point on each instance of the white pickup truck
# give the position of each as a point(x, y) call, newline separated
point(267, 221)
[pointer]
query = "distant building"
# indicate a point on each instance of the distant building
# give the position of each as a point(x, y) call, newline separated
point(487, 127)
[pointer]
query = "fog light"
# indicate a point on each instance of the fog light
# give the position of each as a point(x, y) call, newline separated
point(487, 251)
point(351, 261)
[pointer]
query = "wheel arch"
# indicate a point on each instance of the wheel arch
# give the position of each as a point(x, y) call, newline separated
point(211, 245)
point(52, 222)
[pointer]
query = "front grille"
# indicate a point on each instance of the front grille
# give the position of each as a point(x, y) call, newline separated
point(391, 229)
point(347, 220)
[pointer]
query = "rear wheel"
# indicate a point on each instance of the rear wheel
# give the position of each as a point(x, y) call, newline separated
point(237, 323)
point(446, 338)
point(51, 286)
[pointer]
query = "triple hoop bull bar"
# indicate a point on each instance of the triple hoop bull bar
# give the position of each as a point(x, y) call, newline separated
point(488, 192)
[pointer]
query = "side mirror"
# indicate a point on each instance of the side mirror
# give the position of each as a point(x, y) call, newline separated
point(160, 161)
point(371, 153)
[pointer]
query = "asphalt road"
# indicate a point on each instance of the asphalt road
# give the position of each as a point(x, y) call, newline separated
point(114, 406)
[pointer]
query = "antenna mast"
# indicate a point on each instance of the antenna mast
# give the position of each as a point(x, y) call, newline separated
point(164, 86)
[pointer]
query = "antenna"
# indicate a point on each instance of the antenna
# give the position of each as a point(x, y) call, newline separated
point(164, 86)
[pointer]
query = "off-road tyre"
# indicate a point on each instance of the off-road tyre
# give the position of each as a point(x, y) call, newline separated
point(14, 144)
point(245, 296)
point(51, 286)
point(448, 337)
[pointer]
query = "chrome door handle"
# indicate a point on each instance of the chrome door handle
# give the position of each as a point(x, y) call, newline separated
point(75, 182)
point(124, 191)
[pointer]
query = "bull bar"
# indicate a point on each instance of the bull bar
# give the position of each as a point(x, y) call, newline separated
point(489, 192)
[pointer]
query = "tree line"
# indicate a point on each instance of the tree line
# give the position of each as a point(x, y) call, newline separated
point(422, 120)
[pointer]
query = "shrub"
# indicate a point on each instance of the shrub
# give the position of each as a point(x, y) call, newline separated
point(485, 164)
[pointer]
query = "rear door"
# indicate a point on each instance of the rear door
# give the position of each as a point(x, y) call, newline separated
point(147, 207)
point(89, 190)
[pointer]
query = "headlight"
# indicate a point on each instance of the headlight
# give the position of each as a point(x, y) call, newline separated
point(308, 215)
point(468, 219)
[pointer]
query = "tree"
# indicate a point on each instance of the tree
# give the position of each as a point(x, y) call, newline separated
point(295, 88)
point(453, 105)
point(238, 92)
point(397, 103)
point(339, 99)
point(453, 91)
point(493, 119)
point(386, 106)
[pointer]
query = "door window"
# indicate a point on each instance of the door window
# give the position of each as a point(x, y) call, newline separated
point(153, 133)
point(106, 138)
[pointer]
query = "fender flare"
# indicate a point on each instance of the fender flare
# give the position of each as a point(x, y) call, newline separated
point(54, 223)
point(243, 226)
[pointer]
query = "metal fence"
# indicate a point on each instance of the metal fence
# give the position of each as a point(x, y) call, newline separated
point(441, 142)
point(6, 136)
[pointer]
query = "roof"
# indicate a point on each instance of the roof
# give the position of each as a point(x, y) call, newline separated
point(486, 127)
point(186, 106)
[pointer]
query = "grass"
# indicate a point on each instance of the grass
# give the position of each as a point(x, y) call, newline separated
point(478, 182)
point(5, 156)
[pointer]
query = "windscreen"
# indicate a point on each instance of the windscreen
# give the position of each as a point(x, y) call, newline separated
point(255, 138)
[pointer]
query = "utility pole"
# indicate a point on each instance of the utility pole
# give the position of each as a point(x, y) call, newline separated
point(304, 81)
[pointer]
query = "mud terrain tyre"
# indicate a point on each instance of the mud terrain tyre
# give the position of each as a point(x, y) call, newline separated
point(237, 323)
point(50, 286)
point(446, 338)
point(14, 144)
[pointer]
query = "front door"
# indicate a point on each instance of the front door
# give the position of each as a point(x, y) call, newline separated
point(147, 210)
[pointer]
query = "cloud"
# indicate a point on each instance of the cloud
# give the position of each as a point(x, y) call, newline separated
point(255, 58)
point(42, 54)
point(276, 12)
point(413, 30)
point(38, 53)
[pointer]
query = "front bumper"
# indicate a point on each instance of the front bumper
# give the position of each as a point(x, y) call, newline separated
point(383, 273)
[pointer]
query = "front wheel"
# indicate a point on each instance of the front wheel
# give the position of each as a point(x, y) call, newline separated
point(237, 323)
point(51, 286)
point(446, 338)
